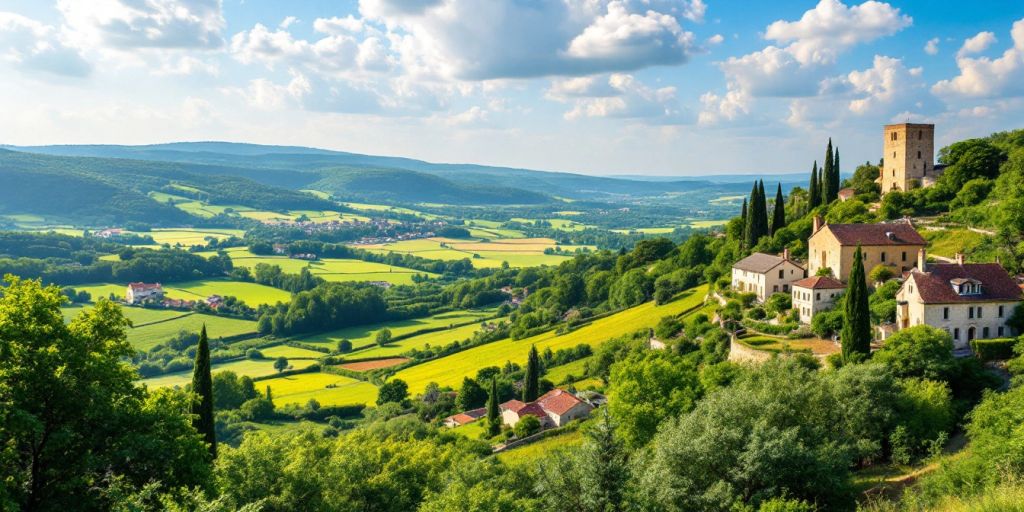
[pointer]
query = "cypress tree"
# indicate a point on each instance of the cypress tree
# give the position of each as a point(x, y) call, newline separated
point(202, 385)
point(779, 215)
point(493, 416)
point(531, 383)
point(743, 213)
point(835, 170)
point(270, 397)
point(856, 333)
point(750, 226)
point(827, 177)
point(813, 192)
point(762, 213)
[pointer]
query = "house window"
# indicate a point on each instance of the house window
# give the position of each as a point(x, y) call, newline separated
point(979, 311)
point(883, 257)
point(945, 313)
point(919, 154)
point(970, 312)
point(1000, 311)
point(984, 332)
point(1000, 331)
point(903, 256)
point(775, 288)
point(782, 274)
point(817, 296)
point(956, 333)
point(919, 135)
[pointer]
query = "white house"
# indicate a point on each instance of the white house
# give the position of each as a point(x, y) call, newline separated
point(141, 292)
point(554, 409)
point(967, 300)
point(765, 274)
point(815, 294)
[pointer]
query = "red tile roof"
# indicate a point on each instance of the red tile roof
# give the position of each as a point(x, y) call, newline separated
point(462, 418)
point(512, 405)
point(144, 286)
point(476, 413)
point(558, 401)
point(819, 283)
point(935, 286)
point(760, 262)
point(897, 233)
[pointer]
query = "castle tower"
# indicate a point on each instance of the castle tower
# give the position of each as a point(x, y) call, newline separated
point(908, 155)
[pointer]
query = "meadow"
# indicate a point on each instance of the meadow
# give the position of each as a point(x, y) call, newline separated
point(518, 252)
point(330, 269)
point(326, 388)
point(948, 242)
point(558, 374)
point(154, 326)
point(365, 335)
point(530, 453)
point(250, 367)
point(472, 430)
point(450, 370)
point(422, 341)
point(252, 294)
point(290, 352)
point(187, 237)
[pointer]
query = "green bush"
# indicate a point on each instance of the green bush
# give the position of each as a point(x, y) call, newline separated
point(998, 348)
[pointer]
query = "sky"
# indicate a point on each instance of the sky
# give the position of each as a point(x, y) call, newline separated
point(654, 87)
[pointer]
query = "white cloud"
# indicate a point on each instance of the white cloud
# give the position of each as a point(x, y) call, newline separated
point(185, 65)
point(620, 96)
point(734, 103)
point(982, 77)
point(288, 21)
point(581, 87)
point(976, 44)
point(347, 25)
point(932, 46)
point(32, 46)
point(832, 27)
point(127, 24)
point(887, 86)
point(715, 40)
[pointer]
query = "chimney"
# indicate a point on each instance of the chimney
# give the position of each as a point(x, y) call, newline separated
point(921, 259)
point(817, 223)
point(785, 254)
point(960, 258)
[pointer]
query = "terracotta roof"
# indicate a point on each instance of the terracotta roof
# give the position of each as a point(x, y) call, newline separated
point(760, 262)
point(512, 405)
point(144, 286)
point(935, 286)
point(847, 192)
point(558, 401)
point(897, 233)
point(819, 283)
point(476, 413)
point(462, 418)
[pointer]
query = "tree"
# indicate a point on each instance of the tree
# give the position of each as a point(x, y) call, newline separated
point(345, 346)
point(73, 419)
point(838, 175)
point(814, 190)
point(526, 426)
point(281, 364)
point(828, 178)
point(230, 390)
point(471, 395)
point(920, 351)
point(779, 215)
point(762, 211)
point(743, 214)
point(531, 380)
point(646, 389)
point(493, 414)
point(880, 273)
point(856, 333)
point(394, 390)
point(202, 386)
point(384, 337)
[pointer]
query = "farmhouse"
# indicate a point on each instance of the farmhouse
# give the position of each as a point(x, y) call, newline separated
point(554, 409)
point(831, 246)
point(845, 194)
point(815, 294)
point(765, 274)
point(142, 292)
point(968, 300)
point(463, 418)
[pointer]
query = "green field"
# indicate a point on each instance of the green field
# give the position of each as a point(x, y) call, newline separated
point(363, 336)
point(948, 242)
point(558, 373)
point(518, 252)
point(252, 294)
point(559, 224)
point(450, 370)
point(300, 388)
point(531, 453)
point(102, 291)
point(188, 237)
point(472, 430)
point(138, 316)
point(155, 326)
point(250, 367)
point(290, 352)
point(646, 231)
point(331, 269)
point(432, 339)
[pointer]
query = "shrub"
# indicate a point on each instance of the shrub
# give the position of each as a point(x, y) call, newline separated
point(999, 348)
point(527, 426)
point(253, 354)
point(880, 273)
point(757, 313)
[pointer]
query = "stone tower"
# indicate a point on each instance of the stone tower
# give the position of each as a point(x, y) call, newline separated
point(908, 155)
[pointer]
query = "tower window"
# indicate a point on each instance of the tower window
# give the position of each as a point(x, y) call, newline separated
point(920, 133)
point(919, 154)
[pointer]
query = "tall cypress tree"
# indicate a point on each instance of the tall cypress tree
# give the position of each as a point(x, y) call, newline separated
point(813, 192)
point(743, 215)
point(202, 385)
point(531, 383)
point(493, 415)
point(856, 333)
point(835, 170)
point(762, 213)
point(750, 226)
point(827, 177)
point(779, 214)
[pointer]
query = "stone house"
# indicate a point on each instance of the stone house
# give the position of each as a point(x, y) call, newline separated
point(815, 294)
point(832, 246)
point(141, 292)
point(765, 274)
point(967, 300)
point(554, 409)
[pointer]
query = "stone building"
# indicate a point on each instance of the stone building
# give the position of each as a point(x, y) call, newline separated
point(908, 157)
point(968, 300)
point(832, 246)
point(765, 274)
point(815, 294)
point(137, 293)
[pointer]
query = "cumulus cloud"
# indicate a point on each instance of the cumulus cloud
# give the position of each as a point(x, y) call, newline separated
point(983, 77)
point(33, 46)
point(976, 44)
point(620, 96)
point(333, 53)
point(128, 24)
point(932, 46)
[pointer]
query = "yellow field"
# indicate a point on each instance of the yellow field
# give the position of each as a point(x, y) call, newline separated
point(188, 237)
point(362, 336)
point(450, 370)
point(331, 269)
point(431, 339)
point(518, 252)
point(530, 453)
point(300, 388)
point(290, 352)
point(252, 294)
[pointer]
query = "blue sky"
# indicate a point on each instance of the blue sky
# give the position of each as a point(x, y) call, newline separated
point(674, 87)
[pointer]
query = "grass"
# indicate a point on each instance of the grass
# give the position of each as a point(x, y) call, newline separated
point(363, 336)
point(252, 294)
point(558, 374)
point(331, 269)
point(432, 339)
point(531, 453)
point(189, 237)
point(518, 252)
point(290, 352)
point(948, 242)
point(646, 231)
point(815, 346)
point(707, 223)
point(472, 430)
point(155, 326)
point(102, 291)
point(450, 370)
point(250, 367)
point(304, 386)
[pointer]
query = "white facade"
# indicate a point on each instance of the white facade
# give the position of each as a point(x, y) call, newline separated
point(964, 321)
point(811, 301)
point(763, 282)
